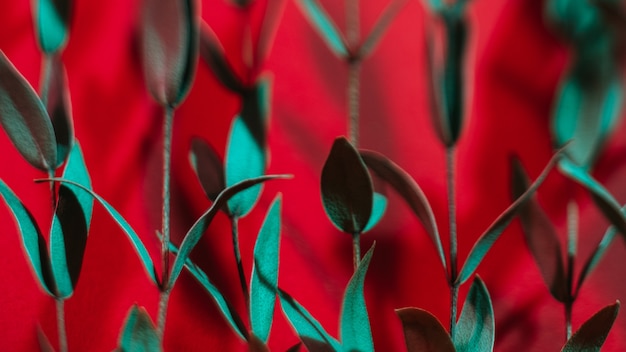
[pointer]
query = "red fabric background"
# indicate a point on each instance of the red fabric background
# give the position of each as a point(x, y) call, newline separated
point(514, 66)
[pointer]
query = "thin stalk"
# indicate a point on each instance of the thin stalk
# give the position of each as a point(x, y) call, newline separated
point(354, 81)
point(242, 277)
point(356, 250)
point(454, 288)
point(162, 314)
point(572, 236)
point(60, 305)
point(46, 77)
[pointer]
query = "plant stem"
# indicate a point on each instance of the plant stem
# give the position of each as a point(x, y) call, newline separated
point(61, 325)
point(572, 235)
point(234, 220)
point(46, 77)
point(354, 68)
point(568, 320)
point(356, 249)
point(454, 288)
point(162, 314)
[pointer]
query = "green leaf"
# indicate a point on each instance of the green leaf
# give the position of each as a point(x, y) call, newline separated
point(68, 239)
point(541, 237)
point(319, 19)
point(423, 332)
point(592, 334)
point(139, 333)
point(347, 191)
point(52, 19)
point(169, 48)
point(310, 331)
point(59, 109)
point(24, 118)
point(207, 166)
point(76, 170)
point(379, 205)
point(264, 278)
point(410, 191)
point(199, 227)
point(476, 326)
point(355, 331)
point(33, 241)
point(213, 55)
point(488, 238)
point(373, 38)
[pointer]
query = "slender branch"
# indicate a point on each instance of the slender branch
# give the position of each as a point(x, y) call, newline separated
point(454, 288)
point(572, 236)
point(61, 325)
point(242, 276)
point(162, 314)
point(568, 320)
point(356, 250)
point(354, 80)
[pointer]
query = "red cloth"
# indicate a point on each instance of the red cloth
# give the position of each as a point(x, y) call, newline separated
point(514, 67)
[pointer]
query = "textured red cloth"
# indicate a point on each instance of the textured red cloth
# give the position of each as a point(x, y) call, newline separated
point(514, 67)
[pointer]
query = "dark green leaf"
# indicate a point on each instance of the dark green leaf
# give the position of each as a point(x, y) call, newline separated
point(59, 109)
point(44, 342)
point(264, 278)
point(378, 210)
point(32, 239)
point(207, 166)
point(139, 333)
point(592, 334)
point(410, 191)
point(76, 170)
point(541, 237)
point(487, 239)
point(212, 53)
point(24, 118)
point(355, 332)
point(169, 48)
point(195, 232)
point(476, 326)
point(52, 19)
point(374, 37)
point(423, 332)
point(347, 191)
point(322, 23)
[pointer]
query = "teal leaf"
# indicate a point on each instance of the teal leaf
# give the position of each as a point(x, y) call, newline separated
point(489, 237)
point(476, 326)
point(264, 278)
point(355, 331)
point(373, 38)
point(605, 202)
point(410, 191)
point(310, 331)
point(347, 192)
point(76, 170)
point(228, 311)
point(68, 240)
point(59, 109)
point(321, 21)
point(44, 342)
point(33, 241)
point(169, 48)
point(592, 334)
point(213, 55)
point(52, 19)
point(24, 118)
point(541, 237)
point(379, 206)
point(199, 227)
point(139, 333)
point(207, 166)
point(423, 332)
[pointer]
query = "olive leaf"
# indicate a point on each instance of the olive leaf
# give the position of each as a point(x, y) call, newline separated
point(60, 109)
point(323, 24)
point(52, 19)
point(207, 166)
point(139, 333)
point(476, 325)
point(423, 332)
point(592, 334)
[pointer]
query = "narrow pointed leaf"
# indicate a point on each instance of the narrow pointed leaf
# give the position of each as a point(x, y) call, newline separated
point(423, 332)
point(24, 118)
point(33, 241)
point(76, 170)
point(200, 226)
point(59, 109)
point(264, 278)
point(139, 333)
point(271, 21)
point(310, 331)
point(347, 191)
point(378, 210)
point(488, 238)
point(207, 166)
point(410, 191)
point(355, 331)
point(212, 54)
point(596, 256)
point(68, 240)
point(603, 199)
point(44, 342)
point(169, 48)
point(476, 326)
point(52, 19)
point(321, 21)
point(379, 29)
point(592, 334)
point(541, 237)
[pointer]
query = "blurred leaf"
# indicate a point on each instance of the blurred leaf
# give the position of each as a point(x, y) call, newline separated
point(207, 166)
point(311, 333)
point(199, 227)
point(487, 239)
point(596, 255)
point(169, 48)
point(33, 241)
point(355, 332)
point(476, 326)
point(68, 239)
point(212, 53)
point(373, 38)
point(295, 348)
point(592, 334)
point(139, 333)
point(347, 191)
point(228, 311)
point(423, 332)
point(410, 191)
point(271, 21)
point(24, 118)
point(76, 170)
point(541, 237)
point(378, 210)
point(265, 272)
point(255, 344)
point(603, 199)
point(435, 100)
point(59, 109)
point(44, 342)
point(323, 24)
point(52, 19)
